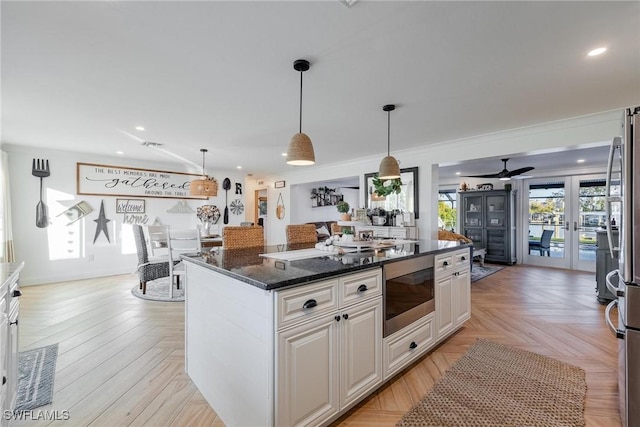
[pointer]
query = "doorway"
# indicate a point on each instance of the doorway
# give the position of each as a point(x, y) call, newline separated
point(260, 212)
point(570, 209)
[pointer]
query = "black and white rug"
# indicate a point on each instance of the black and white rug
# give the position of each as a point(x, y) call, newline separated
point(479, 272)
point(158, 290)
point(36, 372)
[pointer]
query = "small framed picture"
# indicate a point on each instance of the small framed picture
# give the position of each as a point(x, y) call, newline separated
point(494, 221)
point(365, 234)
point(279, 184)
point(360, 215)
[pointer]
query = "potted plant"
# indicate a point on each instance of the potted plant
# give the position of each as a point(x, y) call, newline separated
point(387, 186)
point(343, 208)
point(347, 235)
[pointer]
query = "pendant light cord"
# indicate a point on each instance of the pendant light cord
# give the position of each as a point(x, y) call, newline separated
point(300, 102)
point(388, 133)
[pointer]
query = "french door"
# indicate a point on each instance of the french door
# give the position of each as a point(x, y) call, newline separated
point(573, 208)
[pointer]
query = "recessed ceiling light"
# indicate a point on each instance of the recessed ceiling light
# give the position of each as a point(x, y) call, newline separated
point(596, 52)
point(458, 173)
point(580, 161)
point(139, 127)
point(120, 152)
point(238, 167)
point(284, 154)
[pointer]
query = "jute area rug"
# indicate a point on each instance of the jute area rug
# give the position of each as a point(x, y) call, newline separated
point(498, 385)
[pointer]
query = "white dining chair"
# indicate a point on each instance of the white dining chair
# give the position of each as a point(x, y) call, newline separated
point(156, 237)
point(181, 241)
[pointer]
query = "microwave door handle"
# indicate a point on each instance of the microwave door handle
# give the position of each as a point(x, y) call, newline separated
point(615, 144)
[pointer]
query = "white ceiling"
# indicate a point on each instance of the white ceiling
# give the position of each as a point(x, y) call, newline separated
point(81, 75)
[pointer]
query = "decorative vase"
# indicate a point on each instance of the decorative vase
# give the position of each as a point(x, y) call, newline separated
point(206, 228)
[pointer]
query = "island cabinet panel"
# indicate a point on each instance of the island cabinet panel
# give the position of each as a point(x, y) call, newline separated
point(307, 373)
point(327, 361)
point(452, 291)
point(406, 345)
point(360, 351)
point(229, 346)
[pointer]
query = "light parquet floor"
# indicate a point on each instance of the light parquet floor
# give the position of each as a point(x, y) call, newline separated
point(121, 359)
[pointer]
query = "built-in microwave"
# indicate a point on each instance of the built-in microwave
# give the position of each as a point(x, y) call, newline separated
point(408, 292)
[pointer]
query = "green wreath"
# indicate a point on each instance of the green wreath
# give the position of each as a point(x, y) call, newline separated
point(384, 187)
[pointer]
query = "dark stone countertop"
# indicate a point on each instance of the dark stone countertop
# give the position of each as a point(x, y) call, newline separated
point(267, 273)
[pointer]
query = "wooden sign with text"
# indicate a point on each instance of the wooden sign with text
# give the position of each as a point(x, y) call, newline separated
point(105, 180)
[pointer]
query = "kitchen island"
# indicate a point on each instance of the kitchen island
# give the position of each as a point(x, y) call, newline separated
point(273, 339)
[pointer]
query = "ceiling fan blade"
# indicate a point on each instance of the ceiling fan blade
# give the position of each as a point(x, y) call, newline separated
point(491, 175)
point(520, 171)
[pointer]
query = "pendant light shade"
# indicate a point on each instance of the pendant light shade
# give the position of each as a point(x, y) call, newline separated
point(389, 167)
point(300, 152)
point(205, 186)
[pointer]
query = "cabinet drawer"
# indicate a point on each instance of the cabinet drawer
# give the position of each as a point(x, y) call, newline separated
point(398, 233)
point(360, 286)
point(408, 344)
point(461, 258)
point(306, 302)
point(443, 263)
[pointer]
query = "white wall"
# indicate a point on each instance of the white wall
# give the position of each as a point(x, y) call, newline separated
point(305, 212)
point(36, 246)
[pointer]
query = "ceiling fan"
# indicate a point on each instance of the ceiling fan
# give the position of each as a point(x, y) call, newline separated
point(505, 174)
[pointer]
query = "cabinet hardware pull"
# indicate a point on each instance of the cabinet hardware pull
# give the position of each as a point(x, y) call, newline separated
point(345, 316)
point(463, 258)
point(445, 263)
point(4, 380)
point(413, 345)
point(362, 288)
point(17, 293)
point(310, 304)
point(14, 323)
point(337, 318)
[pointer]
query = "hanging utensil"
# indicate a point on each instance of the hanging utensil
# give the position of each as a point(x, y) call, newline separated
point(280, 207)
point(226, 185)
point(40, 169)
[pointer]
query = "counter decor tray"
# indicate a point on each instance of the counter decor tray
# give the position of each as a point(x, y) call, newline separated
point(366, 244)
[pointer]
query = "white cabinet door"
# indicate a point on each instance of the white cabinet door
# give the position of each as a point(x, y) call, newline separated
point(361, 350)
point(461, 296)
point(307, 373)
point(4, 326)
point(444, 306)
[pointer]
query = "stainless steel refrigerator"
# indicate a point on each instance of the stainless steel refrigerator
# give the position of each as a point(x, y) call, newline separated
point(623, 204)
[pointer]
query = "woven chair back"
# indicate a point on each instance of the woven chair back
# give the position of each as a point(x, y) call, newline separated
point(234, 237)
point(301, 233)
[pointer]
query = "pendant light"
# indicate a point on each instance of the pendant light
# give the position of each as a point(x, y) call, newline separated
point(389, 167)
point(205, 186)
point(300, 152)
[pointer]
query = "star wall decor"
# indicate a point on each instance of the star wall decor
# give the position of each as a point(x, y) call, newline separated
point(101, 222)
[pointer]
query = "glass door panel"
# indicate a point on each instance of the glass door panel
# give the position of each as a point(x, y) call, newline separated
point(547, 203)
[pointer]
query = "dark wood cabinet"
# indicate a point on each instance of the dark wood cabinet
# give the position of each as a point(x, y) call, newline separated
point(488, 218)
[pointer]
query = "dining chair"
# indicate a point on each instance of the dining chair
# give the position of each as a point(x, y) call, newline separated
point(301, 233)
point(544, 245)
point(157, 241)
point(241, 236)
point(147, 269)
point(181, 241)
